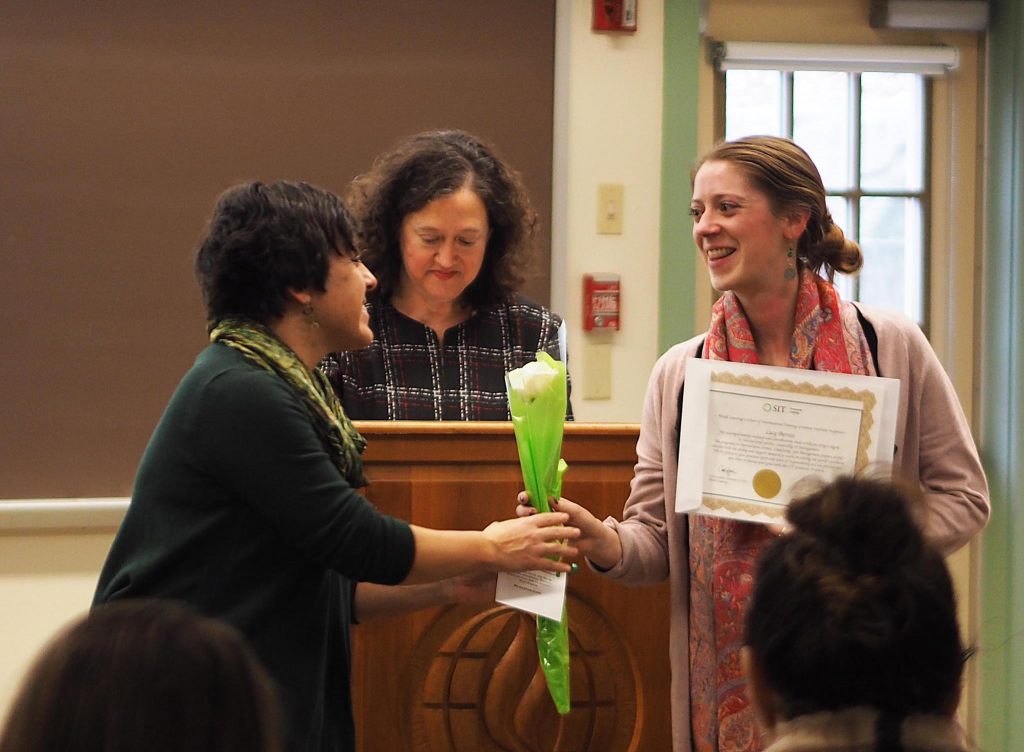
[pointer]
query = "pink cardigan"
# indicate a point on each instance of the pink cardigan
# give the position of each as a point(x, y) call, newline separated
point(934, 445)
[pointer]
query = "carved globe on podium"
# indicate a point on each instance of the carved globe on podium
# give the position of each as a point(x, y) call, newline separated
point(480, 686)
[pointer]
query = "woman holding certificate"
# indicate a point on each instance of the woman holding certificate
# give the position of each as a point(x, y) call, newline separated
point(764, 232)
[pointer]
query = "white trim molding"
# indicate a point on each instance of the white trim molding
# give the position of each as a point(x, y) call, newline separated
point(47, 515)
point(928, 60)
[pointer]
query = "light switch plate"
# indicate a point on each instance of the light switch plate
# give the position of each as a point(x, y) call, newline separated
point(609, 209)
point(597, 371)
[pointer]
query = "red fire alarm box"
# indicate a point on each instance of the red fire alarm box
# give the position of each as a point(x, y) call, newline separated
point(614, 15)
point(601, 301)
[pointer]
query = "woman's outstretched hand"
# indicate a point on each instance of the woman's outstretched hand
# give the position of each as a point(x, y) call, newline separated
point(534, 542)
point(598, 542)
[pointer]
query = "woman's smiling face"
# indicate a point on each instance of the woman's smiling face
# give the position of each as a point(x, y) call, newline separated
point(341, 315)
point(743, 243)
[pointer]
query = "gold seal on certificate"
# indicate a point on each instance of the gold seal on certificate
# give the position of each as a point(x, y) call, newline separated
point(767, 483)
point(749, 434)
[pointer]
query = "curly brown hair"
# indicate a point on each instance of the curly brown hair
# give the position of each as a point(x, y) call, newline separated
point(786, 174)
point(432, 165)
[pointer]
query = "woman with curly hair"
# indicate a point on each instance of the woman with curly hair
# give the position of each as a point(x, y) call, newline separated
point(447, 228)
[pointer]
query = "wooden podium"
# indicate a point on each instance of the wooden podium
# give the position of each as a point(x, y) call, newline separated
point(467, 679)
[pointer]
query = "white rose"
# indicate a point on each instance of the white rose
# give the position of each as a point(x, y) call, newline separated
point(532, 379)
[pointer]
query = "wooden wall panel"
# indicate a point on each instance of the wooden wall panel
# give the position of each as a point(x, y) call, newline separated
point(467, 678)
point(121, 122)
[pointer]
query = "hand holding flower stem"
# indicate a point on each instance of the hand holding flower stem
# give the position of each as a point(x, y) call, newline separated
point(599, 543)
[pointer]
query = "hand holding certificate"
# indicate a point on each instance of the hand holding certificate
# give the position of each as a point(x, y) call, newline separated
point(750, 433)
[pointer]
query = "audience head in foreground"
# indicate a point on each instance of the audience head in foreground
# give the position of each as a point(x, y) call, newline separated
point(145, 674)
point(851, 635)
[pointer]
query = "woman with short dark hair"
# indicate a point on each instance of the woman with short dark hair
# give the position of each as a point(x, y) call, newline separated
point(245, 503)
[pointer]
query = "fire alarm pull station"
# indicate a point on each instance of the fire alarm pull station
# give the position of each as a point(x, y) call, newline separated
point(601, 302)
point(614, 15)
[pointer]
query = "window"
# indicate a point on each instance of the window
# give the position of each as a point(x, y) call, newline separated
point(865, 130)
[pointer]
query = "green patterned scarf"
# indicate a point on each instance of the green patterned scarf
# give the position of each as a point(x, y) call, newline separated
point(257, 343)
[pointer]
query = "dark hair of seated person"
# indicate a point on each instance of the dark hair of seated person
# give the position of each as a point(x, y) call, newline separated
point(145, 675)
point(266, 239)
point(853, 607)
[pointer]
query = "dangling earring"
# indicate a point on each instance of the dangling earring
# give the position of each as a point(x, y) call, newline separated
point(307, 311)
point(791, 269)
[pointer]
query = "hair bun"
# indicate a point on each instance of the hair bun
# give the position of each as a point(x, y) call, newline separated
point(867, 524)
point(854, 608)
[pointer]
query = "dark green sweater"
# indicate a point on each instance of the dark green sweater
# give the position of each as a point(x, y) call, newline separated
point(239, 512)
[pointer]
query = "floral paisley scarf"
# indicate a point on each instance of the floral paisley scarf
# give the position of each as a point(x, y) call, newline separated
point(827, 337)
point(342, 441)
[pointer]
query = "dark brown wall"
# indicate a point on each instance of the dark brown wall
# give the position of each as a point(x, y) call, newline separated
point(120, 123)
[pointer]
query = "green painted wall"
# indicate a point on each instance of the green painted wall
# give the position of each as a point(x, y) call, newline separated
point(1001, 650)
point(679, 151)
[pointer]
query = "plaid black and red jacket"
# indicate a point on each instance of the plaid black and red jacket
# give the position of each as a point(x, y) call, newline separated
point(408, 374)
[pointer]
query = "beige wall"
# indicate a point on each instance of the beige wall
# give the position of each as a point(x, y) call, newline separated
point(608, 130)
point(46, 579)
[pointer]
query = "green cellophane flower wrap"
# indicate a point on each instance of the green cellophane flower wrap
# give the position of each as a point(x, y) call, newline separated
point(537, 400)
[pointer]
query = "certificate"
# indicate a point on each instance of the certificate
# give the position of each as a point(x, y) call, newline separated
point(749, 434)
